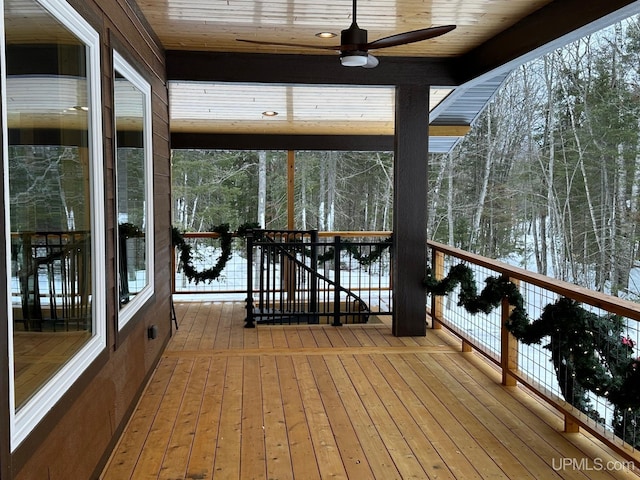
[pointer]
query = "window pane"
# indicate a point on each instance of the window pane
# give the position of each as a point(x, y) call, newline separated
point(132, 106)
point(50, 194)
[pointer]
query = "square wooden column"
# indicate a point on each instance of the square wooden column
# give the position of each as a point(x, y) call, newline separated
point(410, 210)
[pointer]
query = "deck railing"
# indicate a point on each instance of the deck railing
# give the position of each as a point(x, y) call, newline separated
point(369, 282)
point(51, 280)
point(535, 365)
point(298, 277)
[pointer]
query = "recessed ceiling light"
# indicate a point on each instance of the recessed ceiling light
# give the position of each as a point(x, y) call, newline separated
point(269, 113)
point(326, 35)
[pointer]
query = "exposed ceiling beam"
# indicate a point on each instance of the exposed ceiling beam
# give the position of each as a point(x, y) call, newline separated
point(307, 69)
point(214, 141)
point(281, 142)
point(550, 27)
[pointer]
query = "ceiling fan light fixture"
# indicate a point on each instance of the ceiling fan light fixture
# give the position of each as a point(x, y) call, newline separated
point(353, 59)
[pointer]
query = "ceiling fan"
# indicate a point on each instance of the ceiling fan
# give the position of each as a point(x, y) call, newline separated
point(354, 47)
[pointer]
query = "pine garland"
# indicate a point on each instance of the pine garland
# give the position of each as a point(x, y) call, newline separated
point(589, 352)
point(365, 260)
point(213, 273)
point(491, 296)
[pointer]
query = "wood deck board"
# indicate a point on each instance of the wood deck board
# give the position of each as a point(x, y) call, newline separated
point(346, 438)
point(205, 440)
point(396, 429)
point(364, 420)
point(468, 412)
point(419, 408)
point(126, 455)
point(583, 447)
point(252, 447)
point(228, 447)
point(314, 402)
point(302, 455)
point(150, 459)
point(324, 444)
point(176, 460)
point(277, 452)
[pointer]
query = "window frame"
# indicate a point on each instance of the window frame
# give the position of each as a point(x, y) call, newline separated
point(125, 313)
point(23, 421)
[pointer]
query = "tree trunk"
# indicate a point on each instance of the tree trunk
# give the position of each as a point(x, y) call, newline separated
point(486, 171)
point(323, 196)
point(435, 194)
point(331, 191)
point(262, 188)
point(450, 219)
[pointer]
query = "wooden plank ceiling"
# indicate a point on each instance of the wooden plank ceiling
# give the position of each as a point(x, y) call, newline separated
point(224, 108)
point(488, 34)
point(215, 26)
point(219, 85)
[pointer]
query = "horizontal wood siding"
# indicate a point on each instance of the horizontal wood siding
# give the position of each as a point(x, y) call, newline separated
point(76, 438)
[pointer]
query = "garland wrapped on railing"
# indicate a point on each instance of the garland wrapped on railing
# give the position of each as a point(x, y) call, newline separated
point(589, 352)
point(365, 260)
point(225, 236)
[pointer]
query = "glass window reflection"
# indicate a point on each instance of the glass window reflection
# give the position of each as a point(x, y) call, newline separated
point(133, 182)
point(53, 159)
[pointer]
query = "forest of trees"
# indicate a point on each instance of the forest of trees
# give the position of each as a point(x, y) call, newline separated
point(551, 170)
point(549, 176)
point(333, 190)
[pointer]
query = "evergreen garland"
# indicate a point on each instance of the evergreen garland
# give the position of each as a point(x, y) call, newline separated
point(589, 352)
point(365, 260)
point(213, 273)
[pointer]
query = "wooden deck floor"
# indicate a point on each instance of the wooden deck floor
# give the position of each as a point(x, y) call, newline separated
point(319, 402)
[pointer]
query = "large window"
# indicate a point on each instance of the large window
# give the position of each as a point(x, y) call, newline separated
point(53, 154)
point(132, 106)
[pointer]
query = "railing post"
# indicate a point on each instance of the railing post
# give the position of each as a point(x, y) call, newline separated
point(509, 344)
point(313, 287)
point(288, 268)
point(437, 301)
point(336, 266)
point(249, 320)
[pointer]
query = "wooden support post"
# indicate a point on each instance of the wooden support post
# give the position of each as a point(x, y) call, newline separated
point(410, 210)
point(509, 345)
point(570, 425)
point(291, 168)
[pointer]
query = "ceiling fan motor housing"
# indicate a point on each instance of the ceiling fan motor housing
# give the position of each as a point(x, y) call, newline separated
point(354, 40)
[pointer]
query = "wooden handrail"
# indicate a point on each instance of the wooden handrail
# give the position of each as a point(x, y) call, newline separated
point(601, 300)
point(343, 234)
point(508, 361)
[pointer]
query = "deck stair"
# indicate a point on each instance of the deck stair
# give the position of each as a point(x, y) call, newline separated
point(285, 285)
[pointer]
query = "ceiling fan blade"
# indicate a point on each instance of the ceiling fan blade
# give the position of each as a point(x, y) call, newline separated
point(284, 44)
point(410, 37)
